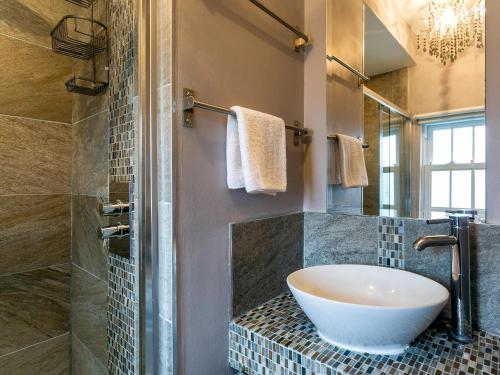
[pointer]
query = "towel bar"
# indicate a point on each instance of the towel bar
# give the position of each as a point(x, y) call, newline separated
point(191, 103)
point(334, 138)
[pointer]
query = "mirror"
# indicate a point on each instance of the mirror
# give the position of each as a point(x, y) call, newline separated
point(423, 115)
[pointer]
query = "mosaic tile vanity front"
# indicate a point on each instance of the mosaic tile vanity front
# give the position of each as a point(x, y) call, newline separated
point(277, 338)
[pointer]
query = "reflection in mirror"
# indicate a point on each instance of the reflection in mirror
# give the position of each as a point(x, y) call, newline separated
point(423, 115)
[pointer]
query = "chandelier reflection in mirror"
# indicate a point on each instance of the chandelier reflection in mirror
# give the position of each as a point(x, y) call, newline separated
point(451, 28)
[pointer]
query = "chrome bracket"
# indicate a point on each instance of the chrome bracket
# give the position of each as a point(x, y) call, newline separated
point(188, 106)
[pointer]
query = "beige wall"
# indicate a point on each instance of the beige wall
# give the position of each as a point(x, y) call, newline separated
point(315, 104)
point(229, 53)
point(435, 88)
point(492, 111)
point(344, 95)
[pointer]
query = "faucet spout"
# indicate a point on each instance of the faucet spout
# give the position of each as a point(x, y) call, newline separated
point(434, 241)
point(458, 239)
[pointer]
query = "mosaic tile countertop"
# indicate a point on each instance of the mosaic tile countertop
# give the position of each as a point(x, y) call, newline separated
point(277, 338)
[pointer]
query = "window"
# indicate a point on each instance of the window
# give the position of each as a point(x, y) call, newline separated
point(454, 165)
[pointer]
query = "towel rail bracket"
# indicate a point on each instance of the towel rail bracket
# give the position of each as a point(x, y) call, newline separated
point(190, 103)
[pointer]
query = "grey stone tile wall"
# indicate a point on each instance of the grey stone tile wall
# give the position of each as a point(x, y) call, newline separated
point(83, 361)
point(48, 358)
point(41, 150)
point(87, 250)
point(35, 232)
point(90, 156)
point(337, 239)
point(89, 312)
point(34, 307)
point(263, 253)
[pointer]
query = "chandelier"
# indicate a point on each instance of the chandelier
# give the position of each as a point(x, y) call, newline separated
point(451, 28)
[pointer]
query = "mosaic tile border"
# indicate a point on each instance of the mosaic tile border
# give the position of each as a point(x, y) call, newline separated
point(391, 246)
point(277, 338)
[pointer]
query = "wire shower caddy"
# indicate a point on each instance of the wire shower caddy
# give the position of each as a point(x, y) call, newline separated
point(82, 38)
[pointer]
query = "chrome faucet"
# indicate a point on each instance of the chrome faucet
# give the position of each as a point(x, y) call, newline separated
point(461, 315)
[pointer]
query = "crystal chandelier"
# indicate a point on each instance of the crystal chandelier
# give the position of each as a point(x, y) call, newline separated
point(451, 28)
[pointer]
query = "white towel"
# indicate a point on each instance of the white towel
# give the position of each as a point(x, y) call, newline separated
point(256, 152)
point(348, 163)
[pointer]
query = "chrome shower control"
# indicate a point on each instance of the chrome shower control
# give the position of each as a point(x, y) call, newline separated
point(113, 209)
point(114, 231)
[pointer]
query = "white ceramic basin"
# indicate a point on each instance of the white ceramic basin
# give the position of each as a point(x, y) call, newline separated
point(367, 309)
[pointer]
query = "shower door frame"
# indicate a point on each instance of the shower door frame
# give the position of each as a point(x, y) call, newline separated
point(147, 191)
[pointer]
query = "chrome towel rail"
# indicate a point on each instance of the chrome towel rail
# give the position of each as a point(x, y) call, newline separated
point(335, 138)
point(302, 39)
point(190, 103)
point(360, 75)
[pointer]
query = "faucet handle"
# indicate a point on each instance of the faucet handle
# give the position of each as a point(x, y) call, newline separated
point(438, 221)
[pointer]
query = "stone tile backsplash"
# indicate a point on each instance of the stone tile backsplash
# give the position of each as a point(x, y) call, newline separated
point(337, 239)
point(265, 251)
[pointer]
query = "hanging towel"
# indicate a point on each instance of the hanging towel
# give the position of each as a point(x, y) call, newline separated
point(348, 163)
point(256, 152)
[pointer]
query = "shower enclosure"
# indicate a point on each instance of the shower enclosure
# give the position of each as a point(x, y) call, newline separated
point(388, 132)
point(86, 264)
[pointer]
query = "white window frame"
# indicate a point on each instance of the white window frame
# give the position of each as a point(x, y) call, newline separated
point(447, 122)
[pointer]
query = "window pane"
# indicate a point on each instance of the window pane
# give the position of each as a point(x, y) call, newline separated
point(441, 146)
point(480, 144)
point(480, 190)
point(461, 195)
point(389, 156)
point(440, 191)
point(388, 189)
point(462, 145)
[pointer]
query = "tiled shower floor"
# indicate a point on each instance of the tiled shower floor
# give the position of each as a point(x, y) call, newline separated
point(277, 338)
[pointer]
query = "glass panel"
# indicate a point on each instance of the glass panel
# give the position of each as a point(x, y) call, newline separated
point(388, 189)
point(389, 155)
point(440, 191)
point(461, 195)
point(462, 145)
point(441, 146)
point(480, 190)
point(479, 144)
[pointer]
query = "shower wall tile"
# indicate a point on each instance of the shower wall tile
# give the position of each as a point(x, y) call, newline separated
point(88, 312)
point(33, 20)
point(83, 362)
point(485, 264)
point(35, 232)
point(47, 358)
point(90, 156)
point(87, 250)
point(85, 106)
point(338, 239)
point(35, 77)
point(34, 307)
point(35, 155)
point(263, 253)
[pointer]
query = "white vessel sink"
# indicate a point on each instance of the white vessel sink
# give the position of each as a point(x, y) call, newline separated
point(367, 309)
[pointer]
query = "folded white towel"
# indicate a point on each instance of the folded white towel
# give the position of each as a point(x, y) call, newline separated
point(256, 152)
point(348, 163)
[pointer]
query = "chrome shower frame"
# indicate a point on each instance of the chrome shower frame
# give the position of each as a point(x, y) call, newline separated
point(147, 190)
